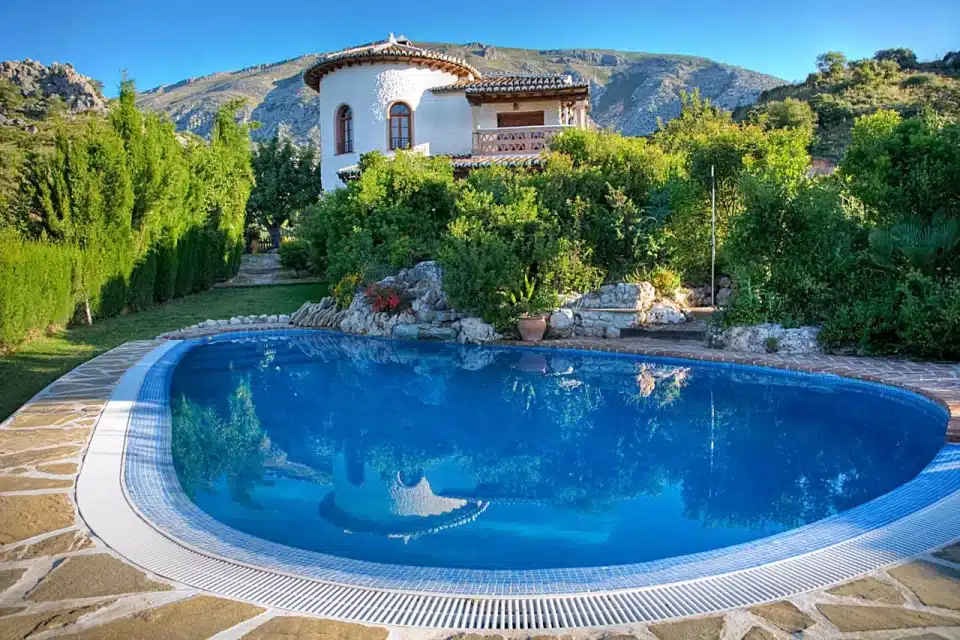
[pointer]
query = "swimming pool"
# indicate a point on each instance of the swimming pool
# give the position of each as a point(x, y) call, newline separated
point(326, 474)
point(432, 455)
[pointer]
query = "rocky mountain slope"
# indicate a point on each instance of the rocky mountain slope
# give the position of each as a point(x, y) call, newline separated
point(34, 89)
point(630, 90)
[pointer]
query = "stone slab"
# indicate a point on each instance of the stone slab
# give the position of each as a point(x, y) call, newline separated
point(61, 468)
point(21, 440)
point(92, 576)
point(935, 585)
point(696, 629)
point(758, 633)
point(37, 456)
point(25, 516)
point(869, 589)
point(26, 483)
point(303, 628)
point(784, 615)
point(26, 626)
point(197, 618)
point(851, 618)
point(950, 554)
point(9, 577)
point(67, 542)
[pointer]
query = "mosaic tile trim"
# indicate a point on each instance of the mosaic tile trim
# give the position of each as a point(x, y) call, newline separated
point(836, 548)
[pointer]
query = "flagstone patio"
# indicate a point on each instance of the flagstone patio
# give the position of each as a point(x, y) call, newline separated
point(57, 578)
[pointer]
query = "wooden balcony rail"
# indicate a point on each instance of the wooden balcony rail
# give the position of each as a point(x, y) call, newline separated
point(508, 140)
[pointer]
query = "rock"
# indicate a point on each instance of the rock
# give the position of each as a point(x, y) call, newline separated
point(272, 319)
point(665, 312)
point(853, 618)
point(724, 282)
point(764, 338)
point(197, 617)
point(560, 324)
point(709, 628)
point(222, 323)
point(264, 318)
point(869, 589)
point(92, 576)
point(934, 585)
point(54, 545)
point(284, 627)
point(784, 615)
point(438, 333)
point(27, 483)
point(476, 331)
point(55, 620)
point(723, 296)
point(283, 319)
point(406, 332)
point(235, 320)
point(612, 332)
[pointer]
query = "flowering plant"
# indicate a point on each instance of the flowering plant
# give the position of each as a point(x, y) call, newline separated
point(384, 298)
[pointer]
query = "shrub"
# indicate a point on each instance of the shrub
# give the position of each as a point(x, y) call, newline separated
point(35, 286)
point(664, 279)
point(346, 288)
point(295, 255)
point(385, 299)
point(771, 345)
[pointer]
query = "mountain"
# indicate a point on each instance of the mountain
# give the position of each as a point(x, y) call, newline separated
point(630, 90)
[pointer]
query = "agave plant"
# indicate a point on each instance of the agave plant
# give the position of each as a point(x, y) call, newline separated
point(913, 245)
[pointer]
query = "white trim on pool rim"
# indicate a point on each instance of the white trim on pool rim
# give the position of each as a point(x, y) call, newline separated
point(192, 548)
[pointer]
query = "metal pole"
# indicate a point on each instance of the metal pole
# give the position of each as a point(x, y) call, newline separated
point(713, 238)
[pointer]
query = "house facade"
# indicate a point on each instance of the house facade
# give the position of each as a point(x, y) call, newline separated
point(392, 95)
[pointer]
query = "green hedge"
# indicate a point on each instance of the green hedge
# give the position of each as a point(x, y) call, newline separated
point(35, 286)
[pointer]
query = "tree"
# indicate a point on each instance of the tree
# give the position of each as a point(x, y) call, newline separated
point(905, 58)
point(788, 114)
point(831, 64)
point(287, 181)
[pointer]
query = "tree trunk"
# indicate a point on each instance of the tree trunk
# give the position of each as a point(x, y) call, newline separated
point(86, 308)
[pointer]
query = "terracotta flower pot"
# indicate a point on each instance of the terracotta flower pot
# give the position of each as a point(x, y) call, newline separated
point(532, 328)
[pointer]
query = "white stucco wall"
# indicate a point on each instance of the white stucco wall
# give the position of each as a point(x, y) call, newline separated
point(485, 115)
point(441, 122)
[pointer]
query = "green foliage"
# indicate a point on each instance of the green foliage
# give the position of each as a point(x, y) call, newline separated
point(904, 58)
point(140, 215)
point(287, 181)
point(295, 255)
point(912, 246)
point(904, 168)
point(831, 64)
point(35, 286)
point(345, 288)
point(394, 215)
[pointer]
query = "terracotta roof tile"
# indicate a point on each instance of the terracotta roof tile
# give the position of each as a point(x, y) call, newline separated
point(389, 49)
point(515, 83)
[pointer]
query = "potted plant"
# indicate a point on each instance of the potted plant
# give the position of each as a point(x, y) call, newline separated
point(530, 306)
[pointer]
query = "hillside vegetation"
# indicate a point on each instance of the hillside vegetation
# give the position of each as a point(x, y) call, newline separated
point(842, 90)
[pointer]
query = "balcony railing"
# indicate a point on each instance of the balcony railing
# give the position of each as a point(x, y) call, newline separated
point(508, 140)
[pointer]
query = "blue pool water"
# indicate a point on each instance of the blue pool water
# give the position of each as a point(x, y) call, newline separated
point(445, 456)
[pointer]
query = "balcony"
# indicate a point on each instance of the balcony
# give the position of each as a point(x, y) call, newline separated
point(508, 140)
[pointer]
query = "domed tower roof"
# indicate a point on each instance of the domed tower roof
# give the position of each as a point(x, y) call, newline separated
point(393, 49)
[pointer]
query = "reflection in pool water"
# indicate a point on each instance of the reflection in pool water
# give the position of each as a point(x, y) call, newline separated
point(436, 455)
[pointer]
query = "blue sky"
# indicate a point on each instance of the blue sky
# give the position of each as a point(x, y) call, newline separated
point(166, 41)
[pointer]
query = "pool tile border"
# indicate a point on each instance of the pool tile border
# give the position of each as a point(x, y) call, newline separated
point(613, 600)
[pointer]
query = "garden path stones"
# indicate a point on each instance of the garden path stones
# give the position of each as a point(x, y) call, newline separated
point(9, 577)
point(91, 576)
point(934, 585)
point(869, 589)
point(28, 458)
point(696, 629)
point(12, 441)
point(784, 615)
point(196, 618)
point(60, 468)
point(849, 618)
point(951, 553)
point(301, 627)
point(28, 483)
point(28, 625)
point(61, 543)
point(26, 516)
point(759, 633)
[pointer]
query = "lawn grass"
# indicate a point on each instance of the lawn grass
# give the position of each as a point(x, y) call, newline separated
point(44, 359)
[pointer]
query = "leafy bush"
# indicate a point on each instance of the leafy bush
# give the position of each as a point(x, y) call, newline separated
point(295, 255)
point(35, 286)
point(346, 288)
point(136, 212)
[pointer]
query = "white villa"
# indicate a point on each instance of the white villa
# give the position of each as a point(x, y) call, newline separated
point(392, 95)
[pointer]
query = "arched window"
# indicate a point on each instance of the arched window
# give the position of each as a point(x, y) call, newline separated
point(344, 128)
point(401, 126)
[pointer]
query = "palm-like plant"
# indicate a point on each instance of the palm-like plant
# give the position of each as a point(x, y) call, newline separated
point(914, 245)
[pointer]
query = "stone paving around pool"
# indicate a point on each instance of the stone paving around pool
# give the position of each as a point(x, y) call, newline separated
point(58, 579)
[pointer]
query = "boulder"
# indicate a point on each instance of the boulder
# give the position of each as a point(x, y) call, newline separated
point(475, 331)
point(764, 338)
point(665, 312)
point(560, 324)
